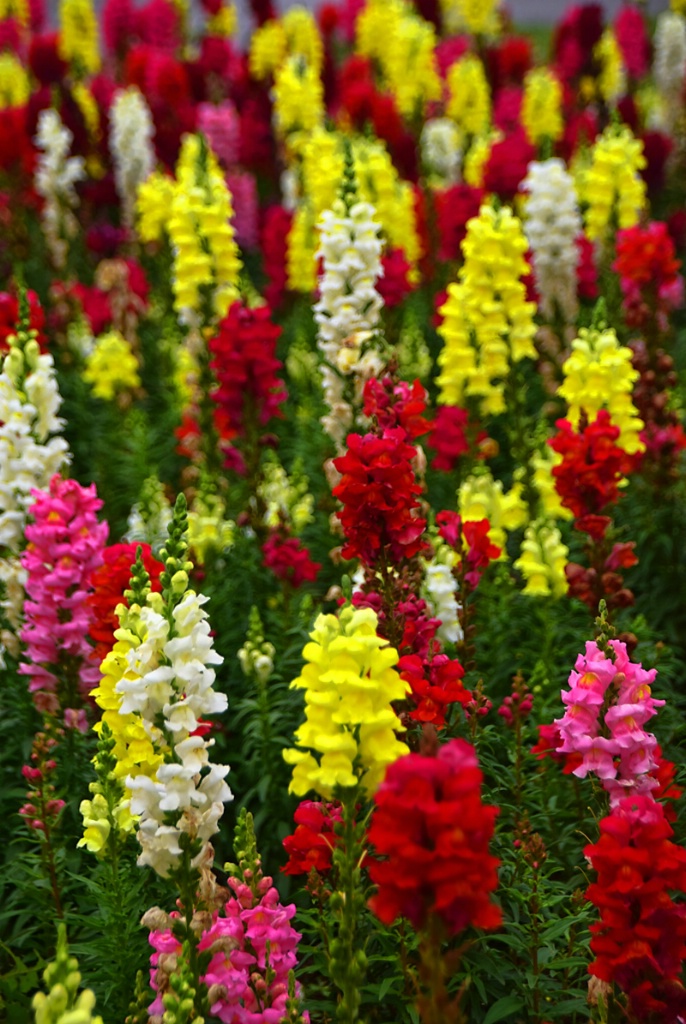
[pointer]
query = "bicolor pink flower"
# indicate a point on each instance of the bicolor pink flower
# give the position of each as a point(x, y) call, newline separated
point(613, 742)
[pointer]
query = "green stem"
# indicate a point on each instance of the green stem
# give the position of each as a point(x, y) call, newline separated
point(348, 964)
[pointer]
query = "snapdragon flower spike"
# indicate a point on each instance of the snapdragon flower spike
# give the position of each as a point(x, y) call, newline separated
point(552, 223)
point(130, 143)
point(349, 305)
point(166, 679)
point(378, 492)
point(349, 734)
point(31, 448)
point(312, 844)
point(65, 544)
point(432, 867)
point(249, 946)
point(640, 941)
point(607, 705)
point(652, 287)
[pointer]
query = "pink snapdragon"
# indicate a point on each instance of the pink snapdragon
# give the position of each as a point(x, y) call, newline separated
point(65, 544)
point(608, 703)
point(253, 948)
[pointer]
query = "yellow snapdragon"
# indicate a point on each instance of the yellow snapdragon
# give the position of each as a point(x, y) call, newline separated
point(403, 44)
point(78, 42)
point(469, 96)
point(482, 497)
point(611, 186)
point(15, 88)
point(206, 258)
point(208, 529)
point(17, 9)
point(349, 734)
point(541, 113)
point(477, 16)
point(268, 48)
point(298, 96)
point(542, 465)
point(295, 35)
point(474, 166)
point(599, 375)
point(612, 77)
point(488, 325)
point(543, 560)
point(133, 749)
point(152, 206)
point(224, 23)
point(111, 367)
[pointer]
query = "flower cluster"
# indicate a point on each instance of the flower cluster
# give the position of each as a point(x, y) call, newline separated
point(196, 211)
point(543, 560)
point(156, 687)
point(640, 941)
point(378, 492)
point(65, 544)
point(541, 113)
point(78, 37)
point(312, 844)
point(598, 375)
point(436, 683)
point(612, 186)
point(432, 867)
point(469, 98)
point(349, 304)
point(482, 498)
point(31, 448)
point(57, 174)
point(43, 807)
point(670, 56)
point(187, 786)
point(592, 468)
point(63, 1002)
point(111, 367)
point(289, 560)
point(250, 945)
point(349, 683)
point(552, 224)
point(488, 324)
point(403, 45)
point(110, 582)
point(652, 286)
point(131, 134)
point(607, 705)
point(249, 392)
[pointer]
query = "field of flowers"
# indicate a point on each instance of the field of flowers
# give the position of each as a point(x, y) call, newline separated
point(342, 515)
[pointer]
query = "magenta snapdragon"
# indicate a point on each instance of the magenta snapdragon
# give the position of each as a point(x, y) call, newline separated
point(253, 946)
point(65, 544)
point(607, 705)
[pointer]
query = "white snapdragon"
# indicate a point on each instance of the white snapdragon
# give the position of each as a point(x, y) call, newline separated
point(441, 146)
point(131, 134)
point(669, 63)
point(552, 223)
point(169, 683)
point(440, 587)
point(56, 176)
point(31, 450)
point(348, 308)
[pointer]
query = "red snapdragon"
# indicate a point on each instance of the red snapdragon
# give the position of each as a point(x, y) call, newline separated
point(378, 492)
point(640, 941)
point(434, 866)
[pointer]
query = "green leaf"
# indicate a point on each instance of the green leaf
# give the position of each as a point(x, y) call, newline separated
point(503, 1008)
